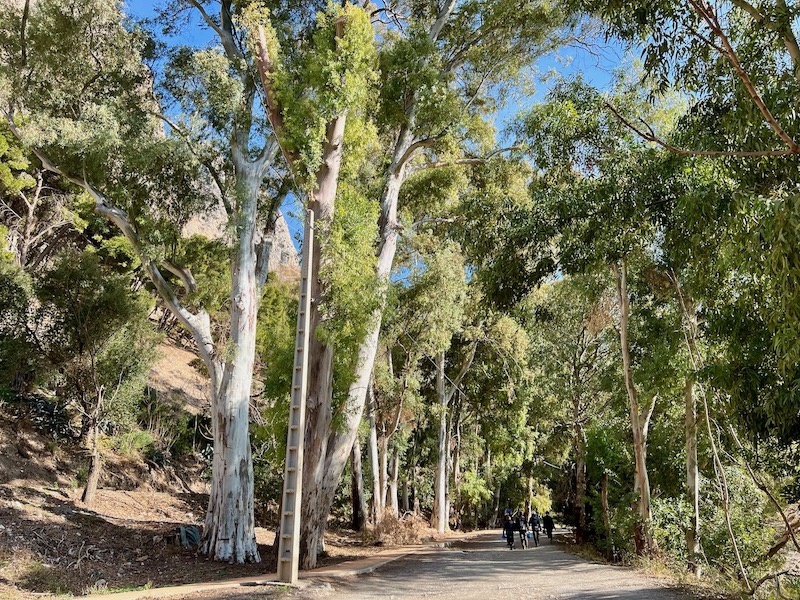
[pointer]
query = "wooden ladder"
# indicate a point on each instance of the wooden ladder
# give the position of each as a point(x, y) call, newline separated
point(289, 542)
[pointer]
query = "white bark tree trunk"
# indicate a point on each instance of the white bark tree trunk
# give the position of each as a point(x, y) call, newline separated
point(357, 490)
point(444, 393)
point(325, 453)
point(377, 497)
point(229, 532)
point(393, 503)
point(692, 479)
point(383, 454)
point(439, 516)
point(330, 449)
point(639, 421)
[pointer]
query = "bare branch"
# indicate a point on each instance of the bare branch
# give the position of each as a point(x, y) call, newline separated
point(225, 35)
point(441, 19)
point(412, 148)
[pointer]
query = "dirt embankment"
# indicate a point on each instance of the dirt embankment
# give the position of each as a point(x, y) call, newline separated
point(50, 542)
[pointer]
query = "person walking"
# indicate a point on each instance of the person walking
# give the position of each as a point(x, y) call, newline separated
point(522, 527)
point(549, 525)
point(535, 524)
point(508, 530)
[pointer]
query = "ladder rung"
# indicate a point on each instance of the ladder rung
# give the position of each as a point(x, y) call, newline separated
point(298, 349)
point(284, 559)
point(292, 448)
point(294, 427)
point(291, 469)
point(288, 513)
point(286, 536)
point(289, 492)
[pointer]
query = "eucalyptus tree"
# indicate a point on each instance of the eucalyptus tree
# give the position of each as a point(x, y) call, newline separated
point(152, 148)
point(586, 208)
point(443, 65)
point(316, 108)
point(570, 321)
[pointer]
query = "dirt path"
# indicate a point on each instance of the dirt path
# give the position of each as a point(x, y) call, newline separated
point(485, 569)
point(480, 569)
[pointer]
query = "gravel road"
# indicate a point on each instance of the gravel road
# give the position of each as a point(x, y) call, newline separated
point(484, 569)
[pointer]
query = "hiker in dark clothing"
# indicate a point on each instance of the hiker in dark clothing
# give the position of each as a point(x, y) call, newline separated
point(508, 529)
point(549, 525)
point(522, 527)
point(535, 524)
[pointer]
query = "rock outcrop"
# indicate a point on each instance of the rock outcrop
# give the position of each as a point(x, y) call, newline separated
point(283, 260)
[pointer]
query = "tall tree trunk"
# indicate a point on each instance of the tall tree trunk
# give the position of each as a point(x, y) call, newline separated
point(441, 504)
point(457, 472)
point(383, 455)
point(639, 421)
point(322, 465)
point(690, 420)
point(357, 490)
point(439, 516)
point(496, 507)
point(606, 517)
point(580, 480)
point(692, 479)
point(377, 496)
point(395, 474)
point(404, 500)
point(229, 531)
point(529, 497)
point(332, 448)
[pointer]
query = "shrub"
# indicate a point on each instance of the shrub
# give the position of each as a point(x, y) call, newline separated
point(402, 531)
point(133, 444)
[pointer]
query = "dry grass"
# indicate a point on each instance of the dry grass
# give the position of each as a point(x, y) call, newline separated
point(402, 531)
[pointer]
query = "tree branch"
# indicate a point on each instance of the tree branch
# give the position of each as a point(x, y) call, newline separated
point(226, 37)
point(782, 29)
point(199, 325)
point(706, 12)
point(266, 69)
point(471, 160)
point(646, 416)
point(23, 31)
point(465, 365)
point(441, 19)
point(649, 136)
point(215, 175)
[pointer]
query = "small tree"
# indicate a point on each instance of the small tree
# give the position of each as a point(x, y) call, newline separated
point(98, 339)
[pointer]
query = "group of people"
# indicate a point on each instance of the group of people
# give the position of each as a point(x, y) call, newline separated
point(522, 525)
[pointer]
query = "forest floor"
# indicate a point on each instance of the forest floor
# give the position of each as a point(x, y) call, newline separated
point(50, 542)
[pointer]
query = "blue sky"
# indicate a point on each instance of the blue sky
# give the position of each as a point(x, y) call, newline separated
point(595, 64)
